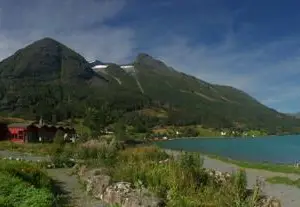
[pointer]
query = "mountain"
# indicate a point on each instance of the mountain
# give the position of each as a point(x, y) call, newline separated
point(95, 63)
point(43, 78)
point(195, 101)
point(47, 78)
point(297, 114)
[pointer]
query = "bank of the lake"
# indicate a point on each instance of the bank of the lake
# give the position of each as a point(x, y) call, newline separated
point(287, 194)
point(264, 152)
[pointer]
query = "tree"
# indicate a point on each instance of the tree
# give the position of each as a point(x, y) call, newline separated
point(120, 131)
point(96, 119)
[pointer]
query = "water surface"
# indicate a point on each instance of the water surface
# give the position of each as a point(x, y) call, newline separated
point(273, 149)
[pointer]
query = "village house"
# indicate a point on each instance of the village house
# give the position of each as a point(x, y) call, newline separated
point(32, 132)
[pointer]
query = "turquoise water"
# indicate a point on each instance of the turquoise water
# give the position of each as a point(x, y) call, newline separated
point(273, 149)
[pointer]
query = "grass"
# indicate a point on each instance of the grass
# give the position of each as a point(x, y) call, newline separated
point(182, 183)
point(154, 112)
point(202, 132)
point(282, 168)
point(284, 180)
point(23, 185)
point(35, 148)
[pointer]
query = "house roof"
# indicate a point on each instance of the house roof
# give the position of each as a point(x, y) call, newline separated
point(50, 126)
point(22, 125)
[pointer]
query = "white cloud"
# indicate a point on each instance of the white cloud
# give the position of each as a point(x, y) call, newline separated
point(260, 71)
point(79, 24)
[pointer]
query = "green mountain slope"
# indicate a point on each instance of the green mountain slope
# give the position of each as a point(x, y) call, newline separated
point(193, 101)
point(49, 79)
point(43, 79)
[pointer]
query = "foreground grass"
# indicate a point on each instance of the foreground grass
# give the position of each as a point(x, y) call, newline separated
point(23, 185)
point(34, 148)
point(282, 168)
point(284, 180)
point(182, 183)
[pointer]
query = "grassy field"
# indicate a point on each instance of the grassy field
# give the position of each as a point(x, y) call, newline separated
point(182, 182)
point(262, 166)
point(35, 148)
point(23, 185)
point(171, 130)
point(284, 180)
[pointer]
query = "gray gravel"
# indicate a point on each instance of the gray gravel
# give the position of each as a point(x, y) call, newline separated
point(73, 190)
point(25, 156)
point(288, 195)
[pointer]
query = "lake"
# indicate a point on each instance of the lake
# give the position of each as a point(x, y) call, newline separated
point(272, 149)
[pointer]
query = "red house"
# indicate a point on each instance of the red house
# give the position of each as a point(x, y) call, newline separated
point(30, 132)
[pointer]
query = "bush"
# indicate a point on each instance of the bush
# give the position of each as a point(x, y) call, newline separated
point(181, 182)
point(23, 184)
point(105, 152)
point(28, 172)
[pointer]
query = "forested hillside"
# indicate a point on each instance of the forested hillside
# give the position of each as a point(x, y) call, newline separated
point(51, 80)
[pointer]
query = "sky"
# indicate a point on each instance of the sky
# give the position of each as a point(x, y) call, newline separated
point(252, 45)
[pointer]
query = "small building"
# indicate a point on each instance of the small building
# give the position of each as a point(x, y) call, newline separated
point(21, 132)
point(3, 131)
point(31, 132)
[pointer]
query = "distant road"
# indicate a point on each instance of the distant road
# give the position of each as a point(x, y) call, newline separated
point(288, 195)
point(25, 156)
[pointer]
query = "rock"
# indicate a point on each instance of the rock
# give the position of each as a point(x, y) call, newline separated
point(82, 171)
point(123, 194)
point(98, 171)
point(112, 196)
point(163, 161)
point(96, 185)
point(271, 202)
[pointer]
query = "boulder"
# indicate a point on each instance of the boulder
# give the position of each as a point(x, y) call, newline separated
point(271, 202)
point(82, 171)
point(123, 194)
point(97, 184)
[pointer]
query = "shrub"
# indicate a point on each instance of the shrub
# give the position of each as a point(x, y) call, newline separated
point(24, 184)
point(104, 152)
point(182, 182)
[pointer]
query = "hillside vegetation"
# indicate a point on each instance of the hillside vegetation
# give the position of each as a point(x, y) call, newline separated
point(51, 80)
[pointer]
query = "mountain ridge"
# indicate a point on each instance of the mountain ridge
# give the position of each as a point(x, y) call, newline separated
point(68, 85)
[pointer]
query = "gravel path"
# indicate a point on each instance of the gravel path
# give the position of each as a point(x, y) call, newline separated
point(26, 156)
point(72, 191)
point(288, 195)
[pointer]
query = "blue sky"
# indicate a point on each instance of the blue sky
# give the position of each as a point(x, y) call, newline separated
point(253, 45)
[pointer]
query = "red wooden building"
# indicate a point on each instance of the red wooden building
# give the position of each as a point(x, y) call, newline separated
point(30, 132)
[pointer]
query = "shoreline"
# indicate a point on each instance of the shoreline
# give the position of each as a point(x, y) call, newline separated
point(267, 166)
point(224, 137)
point(263, 165)
point(288, 195)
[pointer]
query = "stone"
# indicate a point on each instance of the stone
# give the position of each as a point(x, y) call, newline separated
point(123, 194)
point(99, 184)
point(96, 185)
point(82, 171)
point(271, 202)
point(112, 196)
